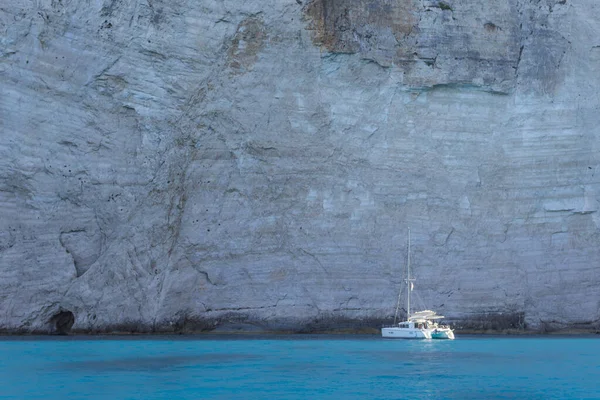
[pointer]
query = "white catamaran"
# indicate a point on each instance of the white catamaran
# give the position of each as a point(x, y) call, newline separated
point(418, 325)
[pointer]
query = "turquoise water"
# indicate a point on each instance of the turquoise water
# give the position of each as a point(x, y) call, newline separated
point(299, 367)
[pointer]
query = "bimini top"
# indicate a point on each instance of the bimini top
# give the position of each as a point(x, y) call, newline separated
point(424, 315)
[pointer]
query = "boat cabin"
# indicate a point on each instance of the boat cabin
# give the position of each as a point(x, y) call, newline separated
point(416, 325)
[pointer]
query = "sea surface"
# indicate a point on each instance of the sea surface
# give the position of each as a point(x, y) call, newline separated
point(299, 367)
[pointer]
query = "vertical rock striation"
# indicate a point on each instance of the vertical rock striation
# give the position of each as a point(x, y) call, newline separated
point(167, 166)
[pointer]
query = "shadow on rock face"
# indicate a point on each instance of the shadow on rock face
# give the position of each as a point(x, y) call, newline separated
point(62, 322)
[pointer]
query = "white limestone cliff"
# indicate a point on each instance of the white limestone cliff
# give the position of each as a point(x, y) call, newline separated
point(172, 165)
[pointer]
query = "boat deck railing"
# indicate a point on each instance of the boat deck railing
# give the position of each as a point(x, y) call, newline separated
point(432, 327)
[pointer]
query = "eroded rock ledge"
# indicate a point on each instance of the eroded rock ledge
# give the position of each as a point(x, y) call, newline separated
point(490, 323)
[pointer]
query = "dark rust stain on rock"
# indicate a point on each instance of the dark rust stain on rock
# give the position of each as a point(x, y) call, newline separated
point(434, 43)
point(350, 26)
point(248, 41)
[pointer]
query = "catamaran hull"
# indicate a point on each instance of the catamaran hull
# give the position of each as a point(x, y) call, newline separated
point(442, 334)
point(405, 333)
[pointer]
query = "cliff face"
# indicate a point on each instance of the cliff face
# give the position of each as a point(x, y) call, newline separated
point(196, 164)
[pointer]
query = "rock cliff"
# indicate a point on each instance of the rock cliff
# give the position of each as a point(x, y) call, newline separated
point(220, 164)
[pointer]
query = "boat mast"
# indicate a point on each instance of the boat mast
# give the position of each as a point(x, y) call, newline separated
point(409, 280)
point(408, 288)
point(397, 306)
